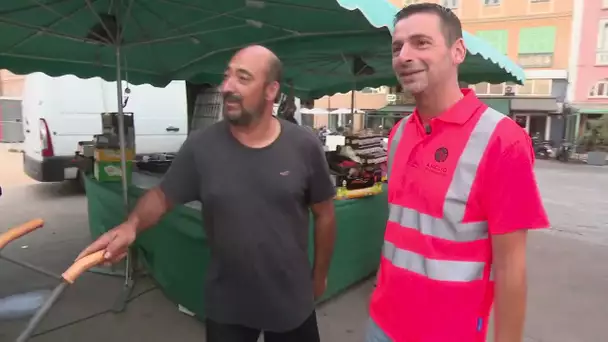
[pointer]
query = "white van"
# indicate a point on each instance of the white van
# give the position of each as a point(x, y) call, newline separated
point(58, 112)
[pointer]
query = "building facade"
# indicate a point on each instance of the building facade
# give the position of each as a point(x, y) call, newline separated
point(525, 30)
point(588, 70)
point(11, 85)
point(538, 34)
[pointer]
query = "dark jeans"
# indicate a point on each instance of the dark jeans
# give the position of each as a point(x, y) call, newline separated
point(219, 332)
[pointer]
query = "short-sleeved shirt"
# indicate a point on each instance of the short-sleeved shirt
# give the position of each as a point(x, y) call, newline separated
point(256, 209)
point(505, 191)
point(469, 166)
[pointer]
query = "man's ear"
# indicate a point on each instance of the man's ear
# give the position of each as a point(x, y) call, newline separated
point(459, 51)
point(272, 91)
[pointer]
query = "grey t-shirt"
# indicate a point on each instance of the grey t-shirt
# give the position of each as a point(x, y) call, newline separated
point(256, 217)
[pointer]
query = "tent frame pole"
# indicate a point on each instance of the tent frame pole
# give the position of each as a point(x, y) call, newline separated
point(121, 303)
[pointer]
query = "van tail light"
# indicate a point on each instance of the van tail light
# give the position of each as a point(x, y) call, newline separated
point(46, 141)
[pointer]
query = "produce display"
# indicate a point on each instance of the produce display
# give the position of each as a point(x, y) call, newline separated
point(358, 167)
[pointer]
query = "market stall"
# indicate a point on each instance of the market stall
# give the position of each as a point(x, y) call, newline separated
point(176, 251)
point(115, 39)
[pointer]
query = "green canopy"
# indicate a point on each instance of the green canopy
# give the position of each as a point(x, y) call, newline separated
point(323, 43)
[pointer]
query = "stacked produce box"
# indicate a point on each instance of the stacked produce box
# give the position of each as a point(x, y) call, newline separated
point(359, 166)
point(107, 166)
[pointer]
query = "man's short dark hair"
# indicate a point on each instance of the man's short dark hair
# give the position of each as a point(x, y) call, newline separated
point(450, 24)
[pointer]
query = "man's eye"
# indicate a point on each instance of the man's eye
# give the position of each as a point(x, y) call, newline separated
point(423, 43)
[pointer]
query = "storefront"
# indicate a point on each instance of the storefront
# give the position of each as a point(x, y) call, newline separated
point(539, 117)
point(582, 112)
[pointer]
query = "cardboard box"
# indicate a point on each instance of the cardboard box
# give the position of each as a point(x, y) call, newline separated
point(112, 154)
point(110, 171)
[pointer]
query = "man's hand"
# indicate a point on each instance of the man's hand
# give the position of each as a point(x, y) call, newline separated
point(320, 283)
point(115, 242)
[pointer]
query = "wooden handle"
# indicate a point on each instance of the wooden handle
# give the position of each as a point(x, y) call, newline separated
point(19, 231)
point(83, 265)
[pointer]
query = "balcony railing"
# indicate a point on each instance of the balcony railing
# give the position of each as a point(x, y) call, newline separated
point(601, 57)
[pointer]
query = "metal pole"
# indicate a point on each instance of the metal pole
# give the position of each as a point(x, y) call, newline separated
point(352, 101)
point(123, 157)
point(352, 105)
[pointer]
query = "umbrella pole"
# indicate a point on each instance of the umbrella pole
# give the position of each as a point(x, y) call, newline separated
point(352, 105)
point(128, 285)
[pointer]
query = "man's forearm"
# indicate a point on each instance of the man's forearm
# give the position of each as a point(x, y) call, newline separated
point(510, 305)
point(325, 237)
point(149, 209)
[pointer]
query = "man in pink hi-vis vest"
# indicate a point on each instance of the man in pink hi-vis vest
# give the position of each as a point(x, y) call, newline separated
point(462, 196)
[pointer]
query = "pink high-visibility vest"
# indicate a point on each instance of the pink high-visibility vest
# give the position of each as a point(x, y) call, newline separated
point(435, 282)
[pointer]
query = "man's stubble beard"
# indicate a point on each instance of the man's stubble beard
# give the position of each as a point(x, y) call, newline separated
point(416, 87)
point(245, 118)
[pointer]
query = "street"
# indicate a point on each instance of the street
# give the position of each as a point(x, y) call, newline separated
point(568, 276)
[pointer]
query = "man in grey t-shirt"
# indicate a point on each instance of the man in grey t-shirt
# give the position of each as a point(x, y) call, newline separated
point(257, 177)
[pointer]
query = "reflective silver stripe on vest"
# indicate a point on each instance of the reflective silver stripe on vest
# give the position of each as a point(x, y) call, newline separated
point(450, 227)
point(466, 169)
point(442, 270)
point(394, 143)
point(437, 227)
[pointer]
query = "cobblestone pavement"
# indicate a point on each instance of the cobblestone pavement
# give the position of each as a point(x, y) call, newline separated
point(576, 198)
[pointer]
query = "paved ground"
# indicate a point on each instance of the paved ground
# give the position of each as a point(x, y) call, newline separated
point(13, 174)
point(568, 273)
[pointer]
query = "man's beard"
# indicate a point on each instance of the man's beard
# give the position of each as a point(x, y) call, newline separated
point(244, 117)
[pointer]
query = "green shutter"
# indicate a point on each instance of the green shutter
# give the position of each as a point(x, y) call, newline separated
point(498, 39)
point(537, 39)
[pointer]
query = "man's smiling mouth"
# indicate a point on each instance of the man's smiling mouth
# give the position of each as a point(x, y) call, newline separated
point(409, 73)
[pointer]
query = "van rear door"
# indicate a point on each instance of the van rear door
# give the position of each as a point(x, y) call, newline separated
point(160, 116)
point(32, 95)
point(79, 104)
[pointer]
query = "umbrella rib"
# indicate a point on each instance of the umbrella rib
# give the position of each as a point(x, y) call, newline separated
point(90, 6)
point(143, 33)
point(30, 7)
point(183, 5)
point(323, 72)
point(345, 60)
point(266, 41)
point(124, 22)
point(283, 4)
point(197, 22)
point(74, 61)
point(50, 26)
point(166, 22)
point(62, 17)
point(171, 26)
point(180, 36)
point(42, 29)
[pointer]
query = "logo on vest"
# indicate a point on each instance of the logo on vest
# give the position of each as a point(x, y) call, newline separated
point(441, 155)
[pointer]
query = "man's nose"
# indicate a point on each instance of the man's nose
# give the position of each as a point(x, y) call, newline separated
point(227, 85)
point(405, 54)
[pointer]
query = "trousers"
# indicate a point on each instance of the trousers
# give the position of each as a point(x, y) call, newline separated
point(220, 332)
